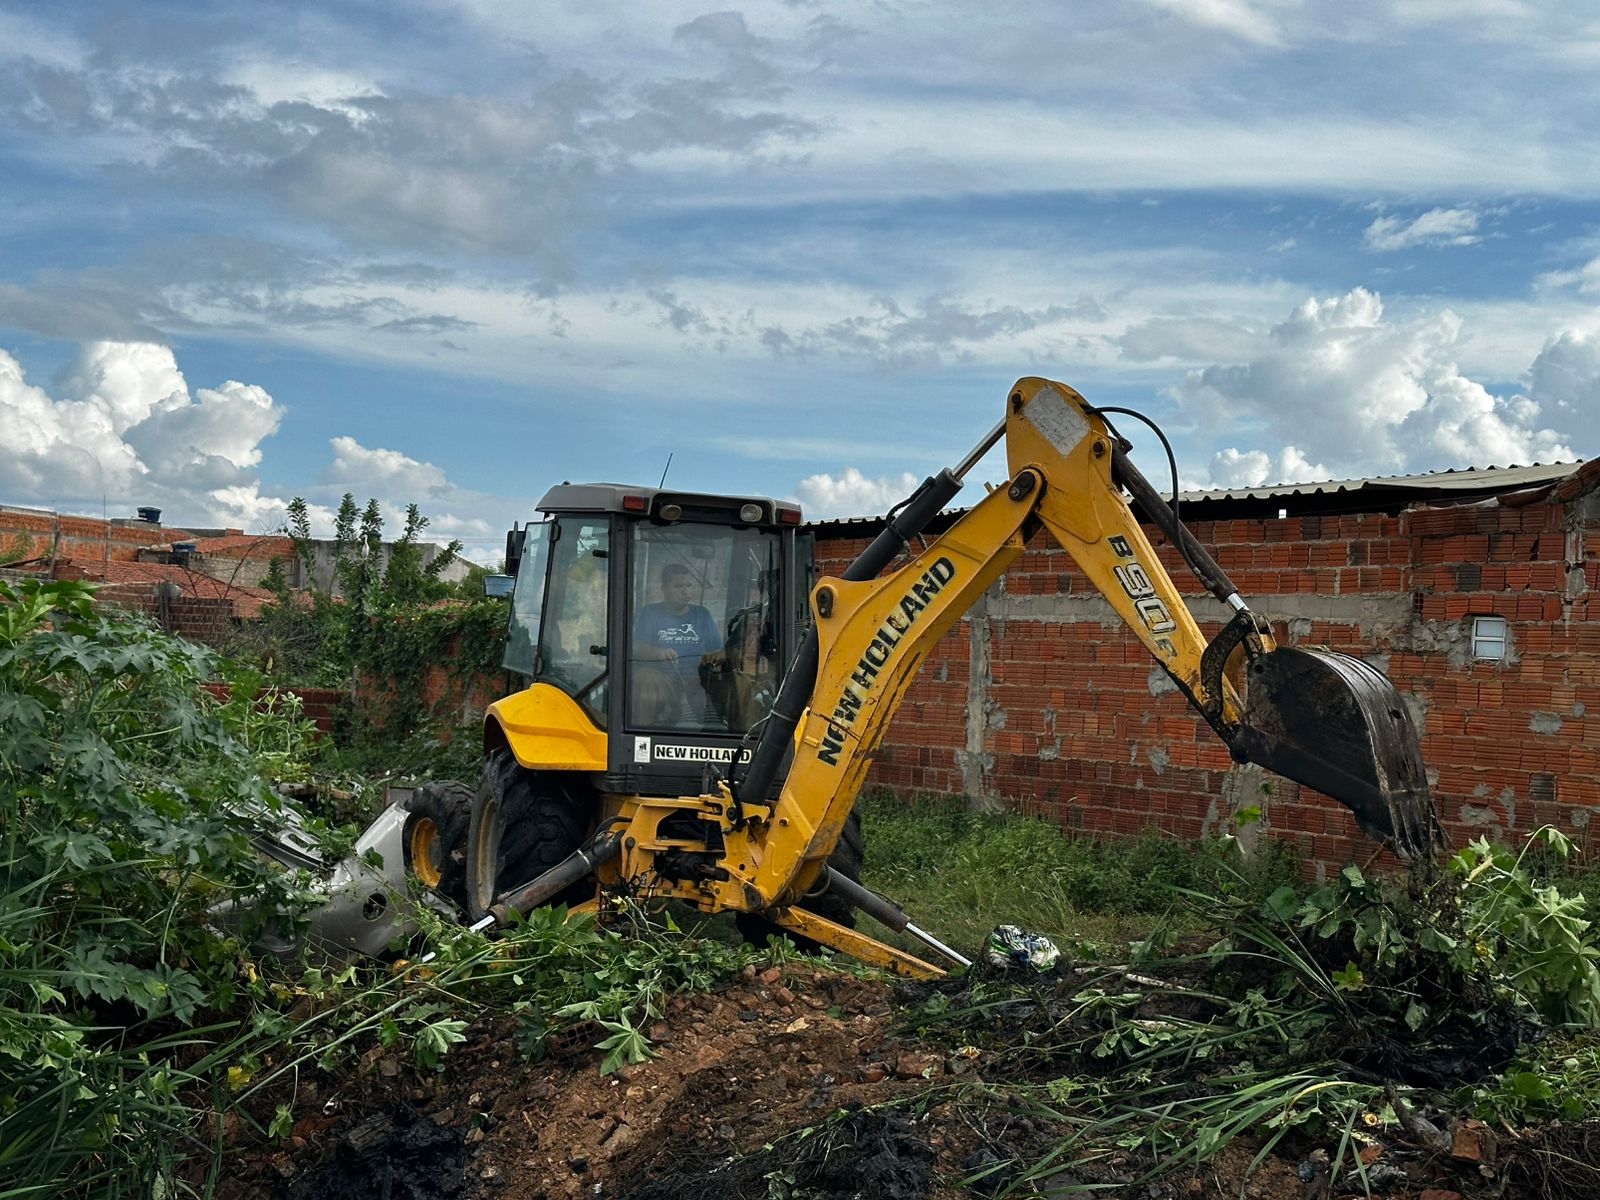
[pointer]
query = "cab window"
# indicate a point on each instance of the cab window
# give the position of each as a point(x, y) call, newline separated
point(569, 629)
point(702, 647)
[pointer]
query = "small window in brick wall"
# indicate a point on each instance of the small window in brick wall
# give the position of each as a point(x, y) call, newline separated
point(1489, 638)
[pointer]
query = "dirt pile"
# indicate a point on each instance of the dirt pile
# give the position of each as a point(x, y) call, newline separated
point(801, 1082)
point(775, 1059)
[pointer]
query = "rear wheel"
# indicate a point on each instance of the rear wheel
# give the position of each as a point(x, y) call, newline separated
point(436, 837)
point(847, 859)
point(523, 823)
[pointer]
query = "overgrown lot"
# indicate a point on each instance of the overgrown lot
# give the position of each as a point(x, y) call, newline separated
point(1214, 1025)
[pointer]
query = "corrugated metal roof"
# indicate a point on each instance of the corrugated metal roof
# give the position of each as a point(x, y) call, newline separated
point(1466, 479)
point(1497, 479)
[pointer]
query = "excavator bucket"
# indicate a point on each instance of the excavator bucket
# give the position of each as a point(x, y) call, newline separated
point(1335, 724)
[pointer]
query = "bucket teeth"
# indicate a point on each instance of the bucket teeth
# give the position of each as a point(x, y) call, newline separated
point(1332, 722)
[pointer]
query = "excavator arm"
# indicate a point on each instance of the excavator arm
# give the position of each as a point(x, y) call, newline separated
point(1323, 718)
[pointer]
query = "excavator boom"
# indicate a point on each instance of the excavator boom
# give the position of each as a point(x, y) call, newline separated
point(1322, 718)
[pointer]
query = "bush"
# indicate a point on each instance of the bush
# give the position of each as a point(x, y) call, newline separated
point(127, 800)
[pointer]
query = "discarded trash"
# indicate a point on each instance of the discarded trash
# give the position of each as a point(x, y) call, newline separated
point(1010, 948)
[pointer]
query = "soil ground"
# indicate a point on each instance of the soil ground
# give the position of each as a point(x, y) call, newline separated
point(797, 1083)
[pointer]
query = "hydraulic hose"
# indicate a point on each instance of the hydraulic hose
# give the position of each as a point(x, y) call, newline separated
point(1155, 506)
point(801, 679)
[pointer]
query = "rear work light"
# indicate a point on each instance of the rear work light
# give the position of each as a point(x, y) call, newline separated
point(750, 513)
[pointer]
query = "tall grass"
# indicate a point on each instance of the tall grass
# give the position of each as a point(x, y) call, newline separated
point(960, 873)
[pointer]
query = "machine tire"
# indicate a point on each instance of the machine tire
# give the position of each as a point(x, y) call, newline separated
point(436, 837)
point(847, 859)
point(523, 823)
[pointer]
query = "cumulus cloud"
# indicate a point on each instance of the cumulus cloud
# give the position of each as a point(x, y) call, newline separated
point(1565, 378)
point(1234, 468)
point(121, 425)
point(381, 472)
point(852, 494)
point(1345, 391)
point(1436, 227)
point(124, 425)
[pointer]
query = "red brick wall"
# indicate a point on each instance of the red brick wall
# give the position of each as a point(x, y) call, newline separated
point(208, 621)
point(87, 538)
point(1070, 718)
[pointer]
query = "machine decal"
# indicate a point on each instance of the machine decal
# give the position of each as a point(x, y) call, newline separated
point(641, 749)
point(876, 656)
point(674, 752)
point(1061, 423)
point(1135, 581)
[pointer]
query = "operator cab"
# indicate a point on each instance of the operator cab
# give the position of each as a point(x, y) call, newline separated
point(668, 616)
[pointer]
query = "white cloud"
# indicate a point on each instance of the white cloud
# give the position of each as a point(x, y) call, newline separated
point(1436, 227)
point(1191, 339)
point(396, 480)
point(852, 494)
point(1235, 468)
point(365, 471)
point(1565, 377)
point(1250, 22)
point(125, 428)
point(1585, 278)
point(1345, 391)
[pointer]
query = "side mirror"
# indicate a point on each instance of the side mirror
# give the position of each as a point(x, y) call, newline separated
point(498, 585)
point(514, 543)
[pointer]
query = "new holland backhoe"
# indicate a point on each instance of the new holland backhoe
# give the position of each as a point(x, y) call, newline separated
point(700, 712)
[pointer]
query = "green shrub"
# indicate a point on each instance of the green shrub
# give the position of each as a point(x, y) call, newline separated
point(127, 799)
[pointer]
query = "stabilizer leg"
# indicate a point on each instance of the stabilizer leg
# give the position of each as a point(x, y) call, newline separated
point(848, 941)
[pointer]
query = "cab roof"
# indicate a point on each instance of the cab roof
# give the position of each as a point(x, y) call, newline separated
point(625, 498)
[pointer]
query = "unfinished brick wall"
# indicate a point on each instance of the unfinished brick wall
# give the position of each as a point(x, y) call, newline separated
point(1040, 699)
point(34, 532)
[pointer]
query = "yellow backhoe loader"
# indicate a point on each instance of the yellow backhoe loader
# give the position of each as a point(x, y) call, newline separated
point(700, 712)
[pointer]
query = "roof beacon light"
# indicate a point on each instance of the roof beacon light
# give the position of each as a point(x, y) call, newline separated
point(750, 513)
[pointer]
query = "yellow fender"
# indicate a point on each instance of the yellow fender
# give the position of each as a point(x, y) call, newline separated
point(546, 730)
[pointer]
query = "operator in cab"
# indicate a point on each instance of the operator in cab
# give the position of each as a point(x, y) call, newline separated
point(675, 634)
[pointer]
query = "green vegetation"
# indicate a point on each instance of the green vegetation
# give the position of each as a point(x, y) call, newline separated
point(133, 1013)
point(127, 797)
point(1335, 1014)
point(393, 624)
point(131, 1007)
point(963, 872)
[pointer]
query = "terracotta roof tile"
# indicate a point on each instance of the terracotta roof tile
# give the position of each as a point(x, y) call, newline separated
point(244, 545)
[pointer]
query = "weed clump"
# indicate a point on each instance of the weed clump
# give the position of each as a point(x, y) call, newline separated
point(1360, 1014)
point(962, 871)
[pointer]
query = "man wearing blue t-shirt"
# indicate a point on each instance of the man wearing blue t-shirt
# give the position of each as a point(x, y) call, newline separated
point(674, 632)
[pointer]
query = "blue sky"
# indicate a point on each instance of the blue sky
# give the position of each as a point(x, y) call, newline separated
point(453, 252)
